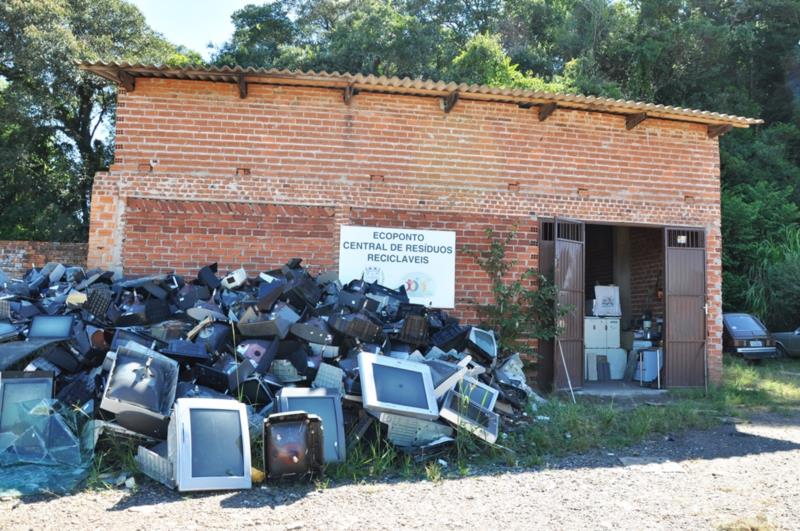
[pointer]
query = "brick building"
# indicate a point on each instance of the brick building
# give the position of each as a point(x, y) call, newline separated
point(253, 167)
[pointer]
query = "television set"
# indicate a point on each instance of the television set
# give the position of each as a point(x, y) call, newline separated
point(209, 444)
point(390, 385)
point(293, 445)
point(17, 387)
point(327, 405)
point(140, 389)
point(51, 327)
point(462, 412)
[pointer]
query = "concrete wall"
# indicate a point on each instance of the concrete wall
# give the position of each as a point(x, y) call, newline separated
point(264, 162)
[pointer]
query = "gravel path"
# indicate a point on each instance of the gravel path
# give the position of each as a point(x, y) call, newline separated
point(737, 473)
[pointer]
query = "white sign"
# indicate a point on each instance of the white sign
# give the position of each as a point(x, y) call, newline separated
point(424, 261)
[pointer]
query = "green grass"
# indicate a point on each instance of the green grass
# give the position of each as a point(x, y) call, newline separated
point(113, 456)
point(774, 386)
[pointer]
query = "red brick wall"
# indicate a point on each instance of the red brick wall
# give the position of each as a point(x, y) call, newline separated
point(16, 257)
point(185, 235)
point(599, 257)
point(181, 236)
point(192, 141)
point(647, 271)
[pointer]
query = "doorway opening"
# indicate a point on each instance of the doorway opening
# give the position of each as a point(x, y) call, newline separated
point(624, 311)
point(653, 280)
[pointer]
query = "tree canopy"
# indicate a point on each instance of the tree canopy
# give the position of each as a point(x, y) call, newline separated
point(734, 56)
point(51, 112)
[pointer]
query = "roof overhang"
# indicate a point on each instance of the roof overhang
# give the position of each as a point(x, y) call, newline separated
point(125, 75)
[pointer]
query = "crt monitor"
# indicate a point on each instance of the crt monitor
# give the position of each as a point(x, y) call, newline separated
point(391, 385)
point(326, 404)
point(17, 387)
point(211, 439)
point(461, 411)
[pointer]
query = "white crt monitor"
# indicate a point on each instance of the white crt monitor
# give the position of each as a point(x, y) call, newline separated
point(389, 385)
point(212, 444)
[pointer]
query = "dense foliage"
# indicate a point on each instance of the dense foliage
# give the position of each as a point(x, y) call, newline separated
point(55, 120)
point(733, 56)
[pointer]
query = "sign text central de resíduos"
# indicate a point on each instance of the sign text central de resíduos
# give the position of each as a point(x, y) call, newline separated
point(423, 261)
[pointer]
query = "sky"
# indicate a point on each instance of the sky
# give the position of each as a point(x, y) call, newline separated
point(192, 23)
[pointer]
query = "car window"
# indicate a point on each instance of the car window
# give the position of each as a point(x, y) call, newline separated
point(743, 323)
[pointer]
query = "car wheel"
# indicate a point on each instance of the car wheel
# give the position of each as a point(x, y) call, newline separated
point(782, 352)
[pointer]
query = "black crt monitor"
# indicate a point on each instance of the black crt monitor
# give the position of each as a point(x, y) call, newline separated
point(51, 327)
point(17, 387)
point(326, 404)
point(140, 389)
point(293, 445)
point(211, 441)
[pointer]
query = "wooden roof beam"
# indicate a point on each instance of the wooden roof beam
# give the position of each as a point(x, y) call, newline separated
point(449, 101)
point(718, 130)
point(632, 120)
point(127, 81)
point(242, 86)
point(545, 110)
point(349, 91)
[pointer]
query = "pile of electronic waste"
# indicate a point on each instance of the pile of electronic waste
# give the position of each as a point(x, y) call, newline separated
point(195, 369)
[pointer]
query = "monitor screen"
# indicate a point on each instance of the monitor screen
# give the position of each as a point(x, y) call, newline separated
point(324, 408)
point(399, 386)
point(16, 391)
point(217, 449)
point(51, 327)
point(478, 394)
point(483, 340)
point(474, 413)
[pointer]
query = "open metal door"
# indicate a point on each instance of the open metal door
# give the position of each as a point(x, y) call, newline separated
point(544, 368)
point(685, 304)
point(569, 274)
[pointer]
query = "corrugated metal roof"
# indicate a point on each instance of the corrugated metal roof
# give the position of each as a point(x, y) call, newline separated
point(118, 72)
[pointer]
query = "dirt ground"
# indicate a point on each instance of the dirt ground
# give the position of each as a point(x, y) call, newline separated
point(738, 474)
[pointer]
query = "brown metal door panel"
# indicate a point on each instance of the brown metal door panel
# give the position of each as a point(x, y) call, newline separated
point(685, 318)
point(544, 369)
point(685, 364)
point(686, 272)
point(569, 278)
